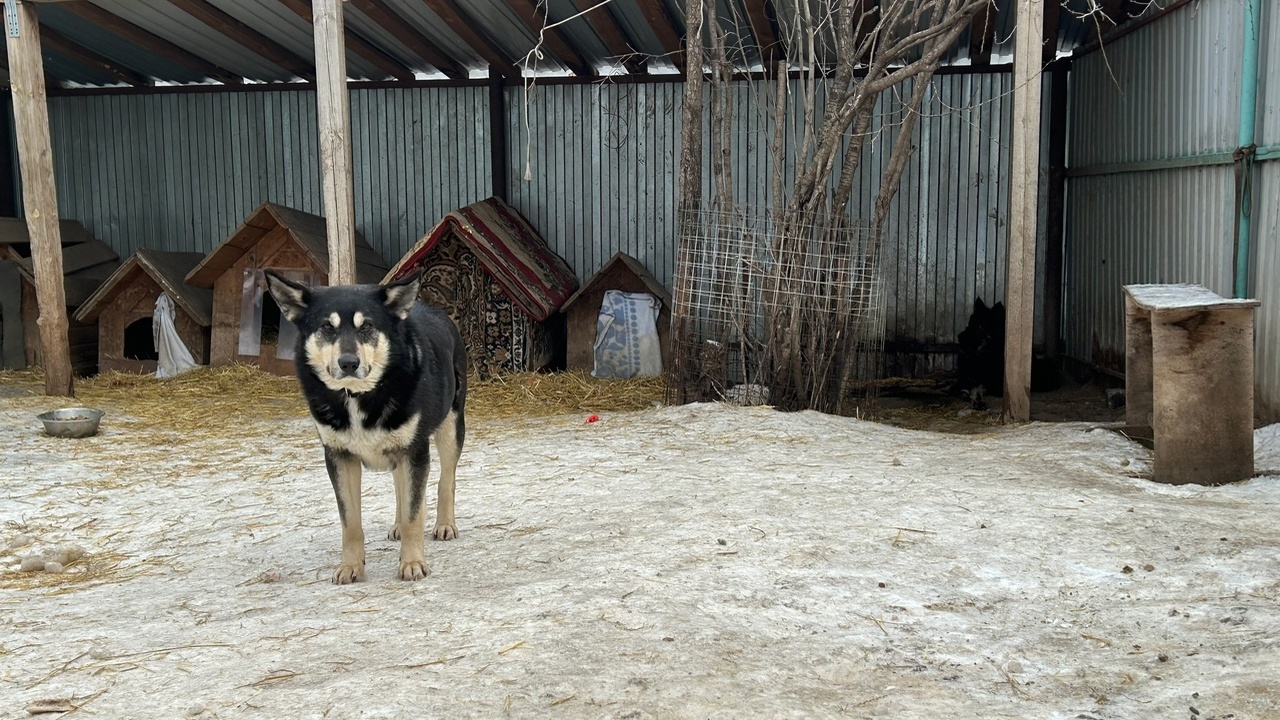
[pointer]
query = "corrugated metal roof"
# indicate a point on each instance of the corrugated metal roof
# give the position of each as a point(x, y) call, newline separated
point(496, 21)
point(291, 31)
point(420, 17)
point(163, 19)
point(126, 53)
point(578, 33)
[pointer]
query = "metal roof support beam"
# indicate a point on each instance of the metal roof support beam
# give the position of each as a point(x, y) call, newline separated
point(611, 33)
point(533, 15)
point(333, 106)
point(465, 28)
point(661, 24)
point(357, 44)
point(1056, 213)
point(1020, 285)
point(1051, 12)
point(982, 34)
point(498, 137)
point(65, 46)
point(247, 37)
point(39, 194)
point(770, 49)
point(151, 42)
point(400, 29)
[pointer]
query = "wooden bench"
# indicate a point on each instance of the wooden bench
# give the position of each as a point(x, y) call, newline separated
point(1189, 378)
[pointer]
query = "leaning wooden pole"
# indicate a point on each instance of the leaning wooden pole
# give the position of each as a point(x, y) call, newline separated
point(334, 110)
point(1020, 285)
point(39, 194)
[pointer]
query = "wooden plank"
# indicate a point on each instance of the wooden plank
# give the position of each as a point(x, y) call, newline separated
point(466, 29)
point(13, 231)
point(334, 116)
point(400, 29)
point(150, 42)
point(655, 14)
point(12, 354)
point(83, 55)
point(85, 255)
point(250, 39)
point(1020, 286)
point(611, 33)
point(357, 44)
point(770, 50)
point(40, 196)
point(535, 17)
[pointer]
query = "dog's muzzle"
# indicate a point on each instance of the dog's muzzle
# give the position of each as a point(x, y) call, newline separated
point(348, 364)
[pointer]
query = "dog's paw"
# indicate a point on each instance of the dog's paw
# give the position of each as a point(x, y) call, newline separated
point(394, 532)
point(414, 570)
point(445, 531)
point(347, 574)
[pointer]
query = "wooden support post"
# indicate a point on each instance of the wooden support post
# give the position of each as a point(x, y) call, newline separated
point(334, 109)
point(1020, 286)
point(498, 135)
point(39, 195)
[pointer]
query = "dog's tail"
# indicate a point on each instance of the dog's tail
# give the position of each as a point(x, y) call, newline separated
point(460, 362)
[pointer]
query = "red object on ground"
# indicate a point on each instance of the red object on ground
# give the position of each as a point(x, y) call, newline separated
point(593, 418)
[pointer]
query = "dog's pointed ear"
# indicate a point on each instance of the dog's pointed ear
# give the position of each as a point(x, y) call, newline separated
point(979, 307)
point(292, 297)
point(400, 295)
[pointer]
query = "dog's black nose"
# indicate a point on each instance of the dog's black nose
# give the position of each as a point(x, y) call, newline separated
point(348, 363)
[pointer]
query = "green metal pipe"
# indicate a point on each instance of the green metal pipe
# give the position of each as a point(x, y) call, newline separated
point(1248, 113)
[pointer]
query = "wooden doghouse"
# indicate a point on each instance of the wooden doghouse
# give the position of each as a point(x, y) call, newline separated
point(123, 307)
point(247, 326)
point(582, 310)
point(86, 263)
point(497, 278)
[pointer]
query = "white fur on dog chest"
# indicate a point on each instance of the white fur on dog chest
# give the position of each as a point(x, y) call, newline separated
point(377, 449)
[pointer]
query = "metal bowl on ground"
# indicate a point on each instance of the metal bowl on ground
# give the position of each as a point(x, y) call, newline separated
point(75, 422)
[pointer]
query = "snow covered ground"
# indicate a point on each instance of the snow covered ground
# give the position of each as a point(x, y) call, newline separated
point(698, 561)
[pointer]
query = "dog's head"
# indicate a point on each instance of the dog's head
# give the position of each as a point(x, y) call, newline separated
point(345, 331)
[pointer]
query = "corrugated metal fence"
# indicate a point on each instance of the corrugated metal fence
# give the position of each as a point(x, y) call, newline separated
point(1169, 90)
point(180, 171)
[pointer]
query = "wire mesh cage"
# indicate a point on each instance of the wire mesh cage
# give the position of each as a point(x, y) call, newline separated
point(776, 310)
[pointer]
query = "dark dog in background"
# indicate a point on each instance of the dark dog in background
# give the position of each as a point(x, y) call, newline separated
point(382, 374)
point(980, 360)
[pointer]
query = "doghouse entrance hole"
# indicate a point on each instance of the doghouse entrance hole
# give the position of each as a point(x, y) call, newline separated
point(270, 320)
point(139, 341)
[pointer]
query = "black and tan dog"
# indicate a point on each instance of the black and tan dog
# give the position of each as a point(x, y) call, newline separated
point(382, 373)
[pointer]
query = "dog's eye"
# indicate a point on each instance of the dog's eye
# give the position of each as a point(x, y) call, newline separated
point(327, 328)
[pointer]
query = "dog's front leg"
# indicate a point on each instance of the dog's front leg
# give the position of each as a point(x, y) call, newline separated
point(344, 472)
point(410, 476)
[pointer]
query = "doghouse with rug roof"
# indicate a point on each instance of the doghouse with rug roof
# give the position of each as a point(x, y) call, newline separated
point(496, 276)
point(247, 325)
